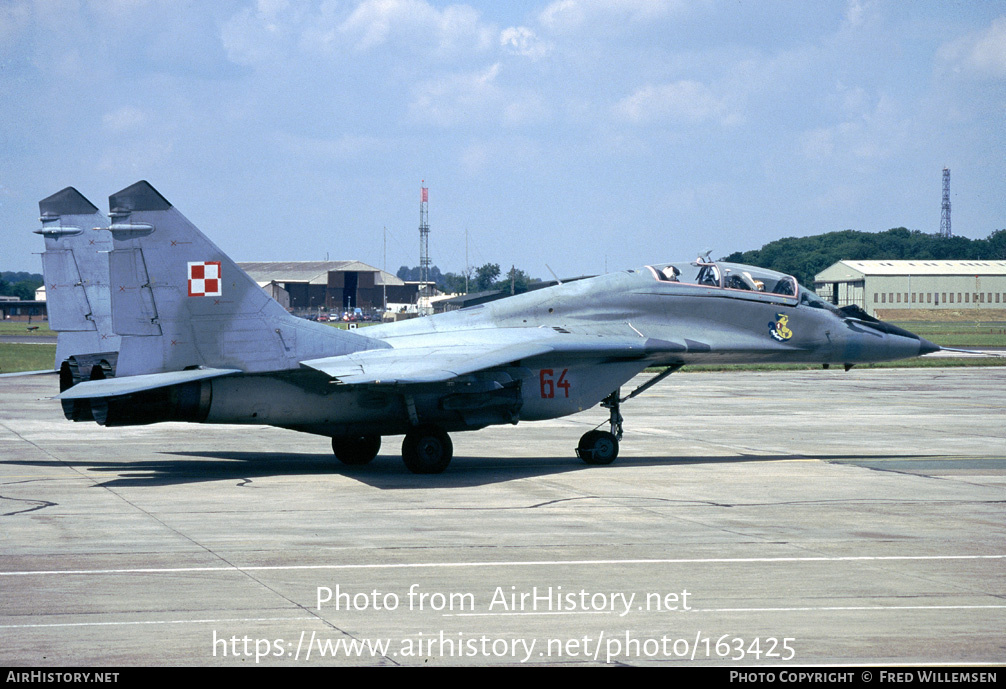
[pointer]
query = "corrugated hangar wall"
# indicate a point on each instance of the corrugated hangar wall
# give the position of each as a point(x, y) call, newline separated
point(906, 285)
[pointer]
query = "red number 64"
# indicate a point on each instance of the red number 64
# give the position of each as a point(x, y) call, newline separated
point(547, 384)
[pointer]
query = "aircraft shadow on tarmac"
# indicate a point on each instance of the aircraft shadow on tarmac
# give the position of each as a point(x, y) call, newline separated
point(387, 472)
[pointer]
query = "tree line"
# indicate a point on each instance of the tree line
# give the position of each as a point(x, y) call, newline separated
point(488, 276)
point(805, 257)
point(801, 257)
point(19, 284)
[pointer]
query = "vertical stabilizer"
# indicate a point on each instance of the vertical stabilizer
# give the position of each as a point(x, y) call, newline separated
point(179, 302)
point(75, 266)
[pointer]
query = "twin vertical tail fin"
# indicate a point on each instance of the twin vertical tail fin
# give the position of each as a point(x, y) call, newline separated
point(180, 303)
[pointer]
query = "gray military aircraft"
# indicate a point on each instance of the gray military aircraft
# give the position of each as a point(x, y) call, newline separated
point(201, 342)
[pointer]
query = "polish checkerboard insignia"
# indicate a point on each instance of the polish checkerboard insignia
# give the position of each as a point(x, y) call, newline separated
point(204, 279)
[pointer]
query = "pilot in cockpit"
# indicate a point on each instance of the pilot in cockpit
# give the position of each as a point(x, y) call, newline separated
point(670, 273)
point(744, 280)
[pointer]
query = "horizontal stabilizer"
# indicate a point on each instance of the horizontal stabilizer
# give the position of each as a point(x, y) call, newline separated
point(114, 387)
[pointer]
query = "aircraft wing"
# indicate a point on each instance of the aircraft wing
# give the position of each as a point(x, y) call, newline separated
point(443, 356)
point(427, 364)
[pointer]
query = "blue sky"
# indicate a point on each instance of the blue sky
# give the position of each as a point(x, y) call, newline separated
point(582, 134)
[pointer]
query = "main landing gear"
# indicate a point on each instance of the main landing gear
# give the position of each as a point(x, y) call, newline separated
point(427, 450)
point(356, 450)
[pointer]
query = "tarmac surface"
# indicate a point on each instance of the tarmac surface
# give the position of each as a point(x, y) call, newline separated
point(794, 518)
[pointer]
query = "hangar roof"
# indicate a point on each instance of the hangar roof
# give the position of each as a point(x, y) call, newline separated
point(311, 272)
point(914, 267)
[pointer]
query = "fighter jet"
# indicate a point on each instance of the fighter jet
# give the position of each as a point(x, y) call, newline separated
point(201, 342)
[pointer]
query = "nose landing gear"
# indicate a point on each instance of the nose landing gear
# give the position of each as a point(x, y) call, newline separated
point(601, 447)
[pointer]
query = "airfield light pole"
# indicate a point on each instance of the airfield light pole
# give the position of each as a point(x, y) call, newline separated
point(945, 216)
point(424, 242)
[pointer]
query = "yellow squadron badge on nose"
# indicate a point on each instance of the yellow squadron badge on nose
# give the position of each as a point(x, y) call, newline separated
point(778, 330)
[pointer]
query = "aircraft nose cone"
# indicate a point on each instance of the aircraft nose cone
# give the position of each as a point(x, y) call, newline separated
point(927, 347)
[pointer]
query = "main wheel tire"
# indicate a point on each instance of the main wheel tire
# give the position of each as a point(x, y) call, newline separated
point(427, 450)
point(357, 450)
point(598, 447)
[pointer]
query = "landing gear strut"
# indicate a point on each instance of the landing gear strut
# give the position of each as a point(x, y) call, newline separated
point(427, 450)
point(614, 403)
point(601, 447)
point(356, 450)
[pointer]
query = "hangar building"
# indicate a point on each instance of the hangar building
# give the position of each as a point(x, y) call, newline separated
point(917, 284)
point(330, 285)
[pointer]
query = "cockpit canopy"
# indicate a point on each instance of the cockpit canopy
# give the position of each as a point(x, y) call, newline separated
point(729, 276)
point(739, 279)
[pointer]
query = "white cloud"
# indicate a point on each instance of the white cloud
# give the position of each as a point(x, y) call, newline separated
point(263, 33)
point(457, 98)
point(682, 101)
point(277, 28)
point(521, 40)
point(854, 13)
point(475, 98)
point(877, 132)
point(982, 54)
point(563, 15)
point(456, 27)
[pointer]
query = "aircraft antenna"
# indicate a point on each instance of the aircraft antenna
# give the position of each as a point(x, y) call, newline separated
point(560, 281)
point(945, 215)
point(424, 243)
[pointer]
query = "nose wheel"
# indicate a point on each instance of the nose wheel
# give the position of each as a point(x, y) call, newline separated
point(601, 447)
point(597, 447)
